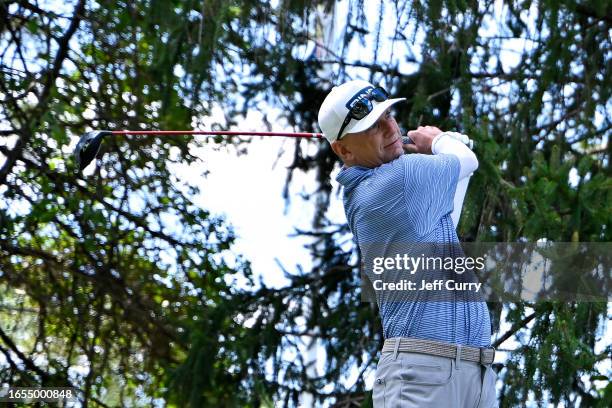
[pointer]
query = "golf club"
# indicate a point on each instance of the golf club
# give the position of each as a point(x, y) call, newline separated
point(89, 144)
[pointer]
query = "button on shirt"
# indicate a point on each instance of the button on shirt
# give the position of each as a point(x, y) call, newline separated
point(410, 200)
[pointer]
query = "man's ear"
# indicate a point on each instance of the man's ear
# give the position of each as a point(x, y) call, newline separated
point(341, 150)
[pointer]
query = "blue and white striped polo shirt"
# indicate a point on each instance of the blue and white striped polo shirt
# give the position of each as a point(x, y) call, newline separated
point(410, 200)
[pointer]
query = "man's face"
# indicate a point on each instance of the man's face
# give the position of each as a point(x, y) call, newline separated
point(379, 144)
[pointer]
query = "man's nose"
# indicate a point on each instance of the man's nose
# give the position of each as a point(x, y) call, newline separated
point(388, 127)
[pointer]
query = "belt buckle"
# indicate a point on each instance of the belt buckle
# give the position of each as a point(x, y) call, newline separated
point(482, 355)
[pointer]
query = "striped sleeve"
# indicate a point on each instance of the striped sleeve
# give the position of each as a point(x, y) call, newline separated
point(430, 182)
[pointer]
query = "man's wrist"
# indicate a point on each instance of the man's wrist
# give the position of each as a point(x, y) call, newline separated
point(434, 142)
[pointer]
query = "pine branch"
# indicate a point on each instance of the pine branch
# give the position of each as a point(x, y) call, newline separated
point(26, 361)
point(58, 178)
point(516, 327)
point(62, 52)
point(587, 11)
point(114, 288)
point(359, 64)
point(29, 6)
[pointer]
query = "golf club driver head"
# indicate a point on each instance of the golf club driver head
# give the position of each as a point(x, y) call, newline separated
point(88, 147)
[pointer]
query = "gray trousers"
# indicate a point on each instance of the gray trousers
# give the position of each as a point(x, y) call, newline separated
point(420, 380)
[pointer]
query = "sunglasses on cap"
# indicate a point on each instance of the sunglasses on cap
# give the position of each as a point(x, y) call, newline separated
point(361, 104)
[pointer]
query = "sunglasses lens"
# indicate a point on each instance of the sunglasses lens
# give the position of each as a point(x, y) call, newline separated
point(361, 109)
point(379, 94)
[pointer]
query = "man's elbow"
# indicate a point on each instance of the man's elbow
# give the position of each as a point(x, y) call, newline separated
point(472, 162)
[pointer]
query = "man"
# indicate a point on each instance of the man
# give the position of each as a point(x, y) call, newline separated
point(436, 351)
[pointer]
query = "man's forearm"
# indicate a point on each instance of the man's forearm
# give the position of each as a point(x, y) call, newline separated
point(448, 145)
point(468, 161)
point(462, 186)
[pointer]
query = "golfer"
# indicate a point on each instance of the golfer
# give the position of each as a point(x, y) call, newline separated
point(435, 353)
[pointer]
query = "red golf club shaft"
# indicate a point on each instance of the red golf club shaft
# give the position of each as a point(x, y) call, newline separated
point(215, 133)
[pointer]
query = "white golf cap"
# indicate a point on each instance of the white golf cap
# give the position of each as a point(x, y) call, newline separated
point(335, 108)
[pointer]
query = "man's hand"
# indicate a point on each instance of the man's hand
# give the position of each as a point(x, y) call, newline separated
point(422, 138)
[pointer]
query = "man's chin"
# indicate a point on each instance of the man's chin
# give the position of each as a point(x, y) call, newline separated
point(394, 156)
